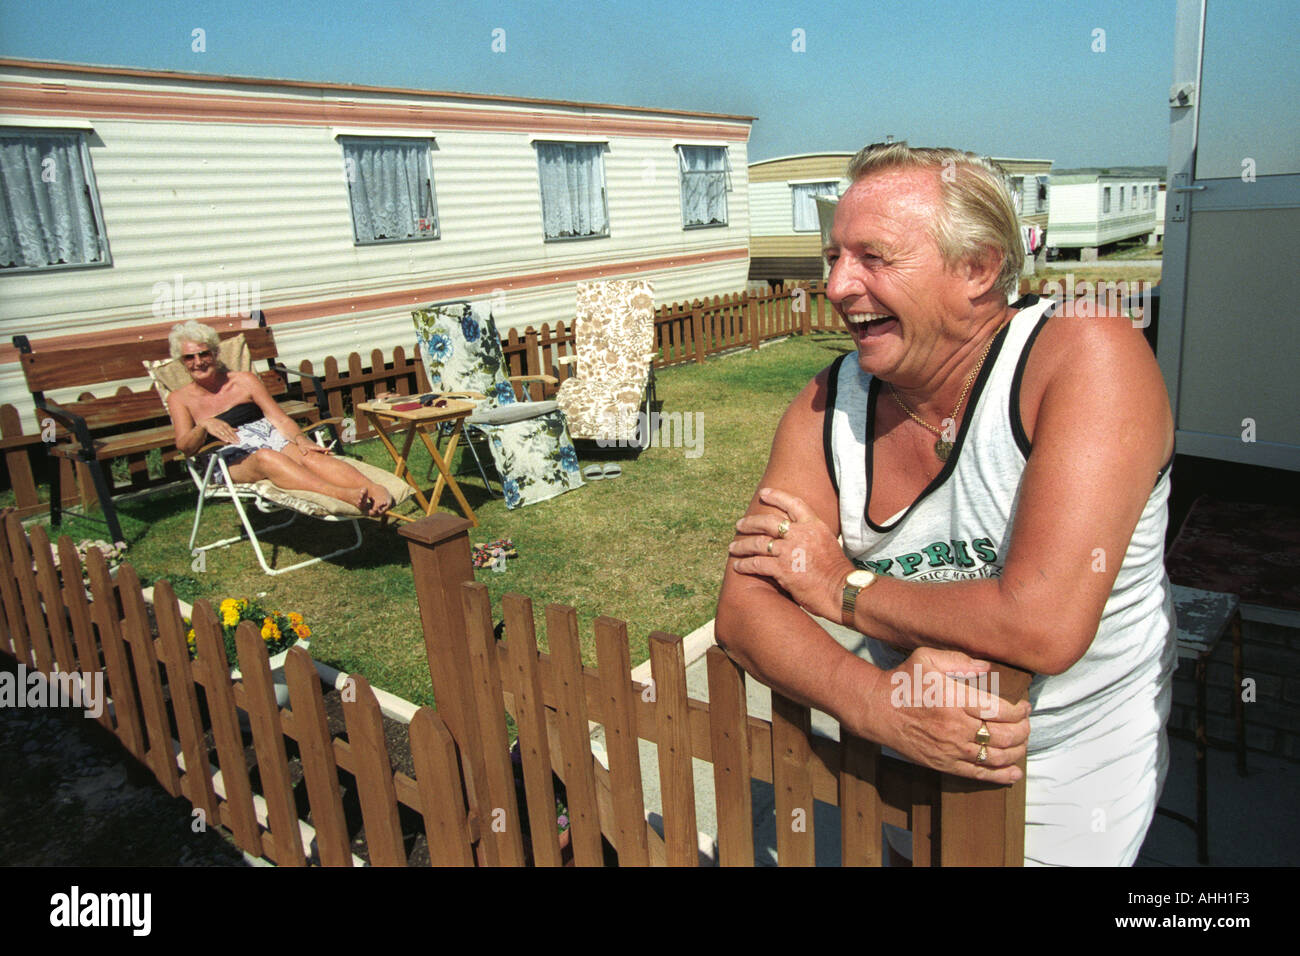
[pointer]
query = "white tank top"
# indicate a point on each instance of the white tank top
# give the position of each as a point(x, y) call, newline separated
point(961, 525)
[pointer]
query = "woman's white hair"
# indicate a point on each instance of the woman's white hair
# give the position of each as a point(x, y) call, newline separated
point(977, 211)
point(192, 332)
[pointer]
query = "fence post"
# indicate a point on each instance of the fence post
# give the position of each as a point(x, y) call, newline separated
point(980, 824)
point(751, 319)
point(697, 324)
point(805, 317)
point(440, 565)
point(532, 362)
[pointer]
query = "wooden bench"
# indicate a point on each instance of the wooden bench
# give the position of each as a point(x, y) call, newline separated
point(92, 430)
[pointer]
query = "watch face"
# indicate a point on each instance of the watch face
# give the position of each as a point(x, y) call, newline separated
point(860, 578)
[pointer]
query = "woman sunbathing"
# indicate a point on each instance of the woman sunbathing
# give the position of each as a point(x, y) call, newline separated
point(262, 442)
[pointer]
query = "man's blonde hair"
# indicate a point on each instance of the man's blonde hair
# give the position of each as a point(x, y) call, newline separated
point(976, 212)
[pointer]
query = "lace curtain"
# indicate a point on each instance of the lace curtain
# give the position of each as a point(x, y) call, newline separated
point(573, 189)
point(704, 185)
point(391, 189)
point(45, 204)
point(805, 210)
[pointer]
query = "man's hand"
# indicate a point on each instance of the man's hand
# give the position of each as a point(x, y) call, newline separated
point(806, 561)
point(915, 723)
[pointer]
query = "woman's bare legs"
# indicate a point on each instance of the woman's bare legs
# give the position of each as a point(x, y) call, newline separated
point(326, 476)
point(340, 472)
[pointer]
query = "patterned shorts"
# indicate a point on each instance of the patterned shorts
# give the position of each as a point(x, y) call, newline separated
point(252, 437)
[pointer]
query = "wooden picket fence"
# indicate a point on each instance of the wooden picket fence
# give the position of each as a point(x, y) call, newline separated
point(690, 331)
point(684, 332)
point(164, 706)
point(349, 385)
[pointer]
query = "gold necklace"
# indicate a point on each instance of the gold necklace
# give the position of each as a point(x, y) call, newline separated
point(943, 447)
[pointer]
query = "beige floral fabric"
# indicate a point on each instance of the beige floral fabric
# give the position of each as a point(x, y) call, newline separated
point(614, 340)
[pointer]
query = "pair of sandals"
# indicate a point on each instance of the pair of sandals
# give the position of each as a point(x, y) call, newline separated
point(484, 555)
point(600, 472)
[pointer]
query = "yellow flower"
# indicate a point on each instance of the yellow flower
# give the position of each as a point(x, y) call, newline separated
point(295, 618)
point(269, 631)
point(229, 612)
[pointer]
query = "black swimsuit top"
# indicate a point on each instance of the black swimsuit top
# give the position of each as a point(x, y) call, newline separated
point(241, 414)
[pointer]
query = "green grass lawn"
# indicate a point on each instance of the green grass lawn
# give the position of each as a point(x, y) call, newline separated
point(647, 547)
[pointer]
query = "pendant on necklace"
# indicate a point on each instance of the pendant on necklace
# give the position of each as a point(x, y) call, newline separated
point(942, 449)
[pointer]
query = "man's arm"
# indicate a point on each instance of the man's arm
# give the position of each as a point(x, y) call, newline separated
point(775, 640)
point(759, 625)
point(1100, 433)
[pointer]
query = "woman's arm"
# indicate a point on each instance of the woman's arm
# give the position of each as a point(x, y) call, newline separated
point(192, 435)
point(274, 414)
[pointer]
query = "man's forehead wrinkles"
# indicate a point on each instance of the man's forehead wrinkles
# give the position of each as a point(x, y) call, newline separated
point(875, 235)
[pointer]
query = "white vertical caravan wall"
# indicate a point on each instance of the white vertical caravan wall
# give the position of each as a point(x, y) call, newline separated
point(242, 182)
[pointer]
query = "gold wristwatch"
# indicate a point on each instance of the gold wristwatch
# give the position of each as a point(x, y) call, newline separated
point(855, 582)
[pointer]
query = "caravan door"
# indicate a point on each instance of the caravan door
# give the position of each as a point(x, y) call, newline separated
point(1229, 329)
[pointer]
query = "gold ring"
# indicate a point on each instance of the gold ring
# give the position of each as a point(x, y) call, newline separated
point(783, 529)
point(770, 543)
point(983, 755)
point(982, 736)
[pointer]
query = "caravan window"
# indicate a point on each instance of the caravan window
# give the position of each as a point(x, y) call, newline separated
point(706, 180)
point(390, 182)
point(572, 177)
point(805, 210)
point(49, 205)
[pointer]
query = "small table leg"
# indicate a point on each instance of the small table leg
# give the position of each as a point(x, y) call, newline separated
point(445, 480)
point(1202, 781)
point(1238, 704)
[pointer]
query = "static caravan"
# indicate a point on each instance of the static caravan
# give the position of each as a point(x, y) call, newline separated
point(785, 233)
point(133, 199)
point(1093, 209)
point(1159, 235)
point(1029, 180)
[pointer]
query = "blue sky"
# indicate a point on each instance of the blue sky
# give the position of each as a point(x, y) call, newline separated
point(1006, 77)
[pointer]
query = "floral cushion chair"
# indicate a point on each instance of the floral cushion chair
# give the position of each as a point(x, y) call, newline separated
point(613, 335)
point(528, 440)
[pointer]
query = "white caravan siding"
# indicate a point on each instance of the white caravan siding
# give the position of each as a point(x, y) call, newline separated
point(1078, 216)
point(771, 210)
point(264, 203)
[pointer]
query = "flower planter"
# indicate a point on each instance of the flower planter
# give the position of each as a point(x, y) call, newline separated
point(277, 673)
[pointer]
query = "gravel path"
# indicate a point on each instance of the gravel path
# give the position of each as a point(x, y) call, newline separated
point(70, 795)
